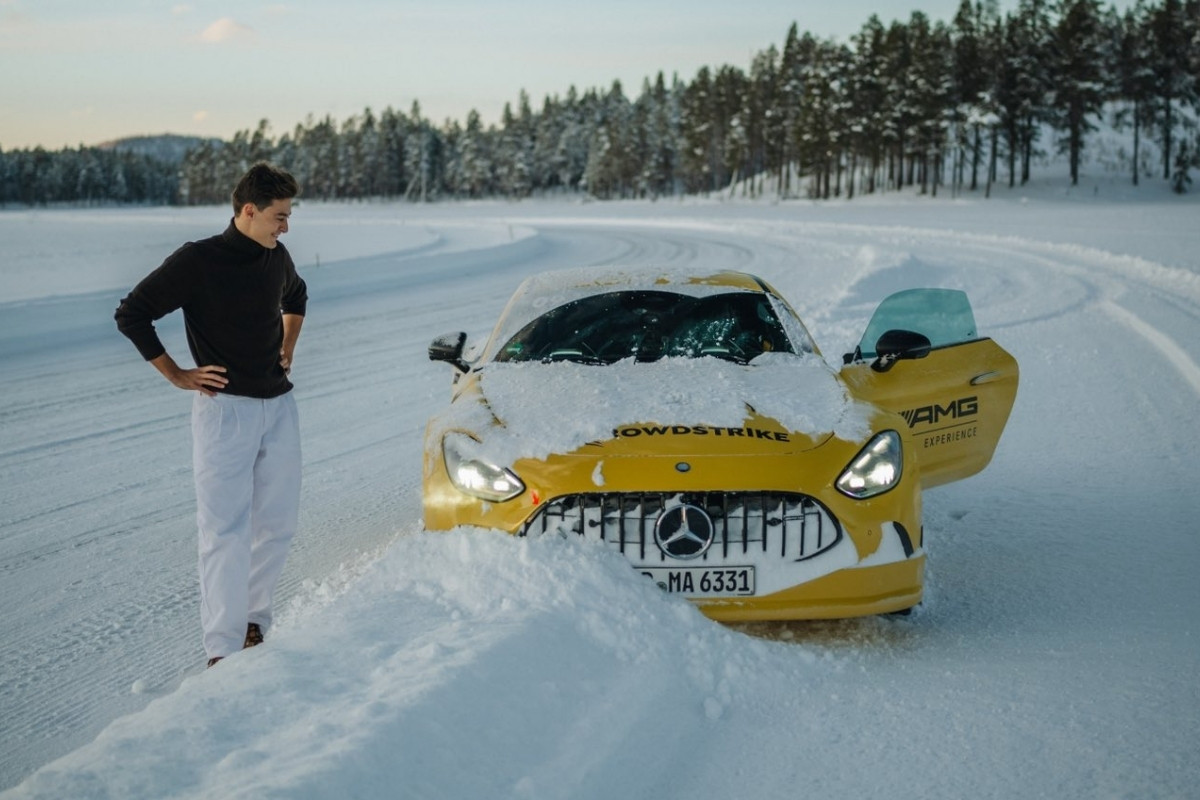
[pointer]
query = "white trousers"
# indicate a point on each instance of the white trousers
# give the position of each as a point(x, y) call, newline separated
point(246, 462)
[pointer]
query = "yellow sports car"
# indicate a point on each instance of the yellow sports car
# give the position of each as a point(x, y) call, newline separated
point(690, 423)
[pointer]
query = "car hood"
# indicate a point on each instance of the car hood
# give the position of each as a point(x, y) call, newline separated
point(779, 403)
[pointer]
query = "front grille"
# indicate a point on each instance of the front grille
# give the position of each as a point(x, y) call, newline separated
point(746, 524)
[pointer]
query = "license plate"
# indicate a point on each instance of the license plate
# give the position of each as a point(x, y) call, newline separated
point(703, 581)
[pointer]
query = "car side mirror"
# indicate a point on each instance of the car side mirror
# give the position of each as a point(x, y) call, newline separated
point(449, 348)
point(894, 345)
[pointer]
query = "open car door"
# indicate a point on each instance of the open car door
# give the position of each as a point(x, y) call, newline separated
point(922, 358)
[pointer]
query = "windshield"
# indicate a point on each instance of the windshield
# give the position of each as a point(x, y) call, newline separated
point(649, 325)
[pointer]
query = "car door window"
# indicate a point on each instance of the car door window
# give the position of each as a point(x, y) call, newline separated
point(943, 315)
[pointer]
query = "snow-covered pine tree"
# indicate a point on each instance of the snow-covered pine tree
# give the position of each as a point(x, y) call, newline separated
point(1077, 76)
point(1175, 84)
point(866, 98)
point(1133, 78)
point(1181, 181)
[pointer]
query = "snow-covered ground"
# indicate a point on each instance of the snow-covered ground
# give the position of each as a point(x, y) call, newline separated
point(1056, 654)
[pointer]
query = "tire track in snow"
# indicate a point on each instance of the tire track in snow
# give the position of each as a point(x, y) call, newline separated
point(1165, 345)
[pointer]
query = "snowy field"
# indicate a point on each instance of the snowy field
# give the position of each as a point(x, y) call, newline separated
point(1056, 654)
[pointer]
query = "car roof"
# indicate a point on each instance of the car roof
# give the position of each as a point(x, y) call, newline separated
point(593, 280)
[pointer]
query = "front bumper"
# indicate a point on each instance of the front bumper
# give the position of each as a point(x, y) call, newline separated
point(853, 592)
point(814, 555)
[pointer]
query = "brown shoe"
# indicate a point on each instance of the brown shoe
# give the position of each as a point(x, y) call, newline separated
point(254, 636)
point(212, 661)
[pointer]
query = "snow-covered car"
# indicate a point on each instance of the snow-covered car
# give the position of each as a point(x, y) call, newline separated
point(690, 423)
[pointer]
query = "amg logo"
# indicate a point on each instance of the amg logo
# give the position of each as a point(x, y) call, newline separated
point(956, 409)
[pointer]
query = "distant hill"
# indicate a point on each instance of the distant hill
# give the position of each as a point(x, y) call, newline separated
point(167, 147)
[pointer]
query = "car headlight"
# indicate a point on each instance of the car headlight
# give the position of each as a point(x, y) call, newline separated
point(875, 470)
point(476, 476)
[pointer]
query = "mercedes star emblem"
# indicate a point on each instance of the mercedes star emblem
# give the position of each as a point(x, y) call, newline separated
point(684, 532)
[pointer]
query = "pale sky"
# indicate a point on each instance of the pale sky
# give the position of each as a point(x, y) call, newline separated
point(78, 72)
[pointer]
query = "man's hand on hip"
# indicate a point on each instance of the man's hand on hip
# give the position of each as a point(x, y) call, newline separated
point(206, 379)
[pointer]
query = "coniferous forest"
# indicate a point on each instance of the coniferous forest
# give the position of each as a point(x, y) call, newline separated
point(917, 105)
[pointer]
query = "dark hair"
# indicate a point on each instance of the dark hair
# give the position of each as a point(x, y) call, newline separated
point(262, 185)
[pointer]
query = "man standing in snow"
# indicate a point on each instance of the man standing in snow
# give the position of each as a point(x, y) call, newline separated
point(243, 306)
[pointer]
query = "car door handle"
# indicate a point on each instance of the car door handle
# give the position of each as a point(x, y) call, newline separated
point(987, 377)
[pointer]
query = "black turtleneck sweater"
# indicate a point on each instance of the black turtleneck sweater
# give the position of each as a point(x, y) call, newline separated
point(233, 292)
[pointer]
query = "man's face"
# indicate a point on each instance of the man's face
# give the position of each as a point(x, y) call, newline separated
point(265, 226)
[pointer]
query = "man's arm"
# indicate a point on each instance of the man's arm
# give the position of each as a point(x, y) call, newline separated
point(158, 294)
point(291, 333)
point(201, 379)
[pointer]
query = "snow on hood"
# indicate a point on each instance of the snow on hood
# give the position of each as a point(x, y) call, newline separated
point(559, 407)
